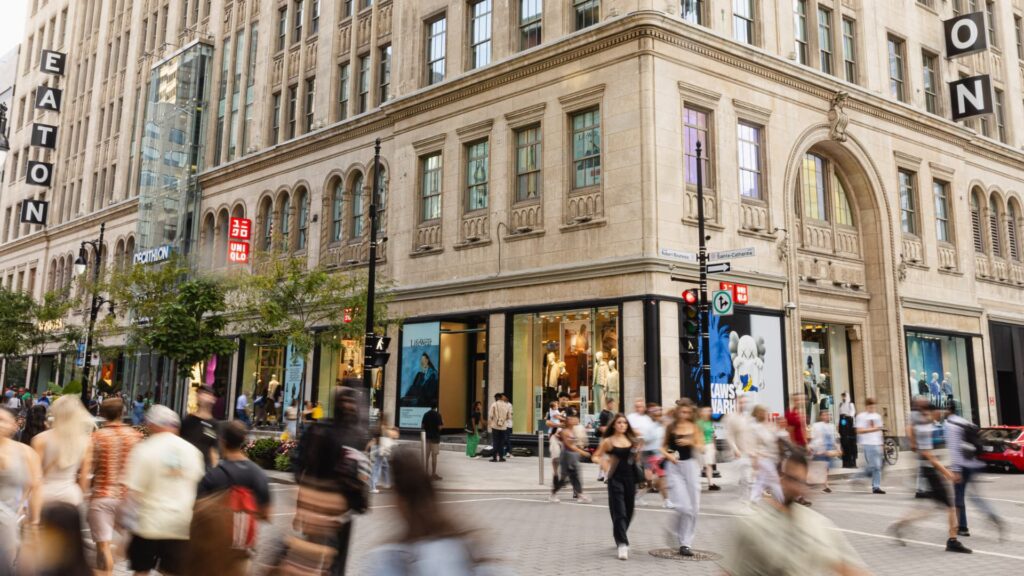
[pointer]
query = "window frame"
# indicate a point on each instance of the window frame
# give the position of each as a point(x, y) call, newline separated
point(476, 43)
point(801, 41)
point(359, 207)
point(538, 172)
point(363, 86)
point(698, 8)
point(292, 111)
point(574, 162)
point(338, 212)
point(850, 67)
point(990, 27)
point(909, 212)
point(282, 29)
point(581, 19)
point(298, 17)
point(826, 48)
point(431, 59)
point(384, 63)
point(526, 28)
point(708, 154)
point(470, 189)
point(759, 170)
point(896, 57)
point(344, 89)
point(275, 118)
point(977, 227)
point(302, 232)
point(999, 113)
point(931, 78)
point(748, 22)
point(941, 208)
point(422, 196)
point(1018, 32)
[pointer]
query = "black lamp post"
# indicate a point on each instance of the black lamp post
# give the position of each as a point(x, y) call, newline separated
point(97, 302)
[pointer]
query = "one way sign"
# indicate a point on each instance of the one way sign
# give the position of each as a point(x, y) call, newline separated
point(719, 267)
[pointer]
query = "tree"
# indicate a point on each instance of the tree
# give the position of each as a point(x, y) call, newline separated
point(188, 329)
point(17, 321)
point(48, 326)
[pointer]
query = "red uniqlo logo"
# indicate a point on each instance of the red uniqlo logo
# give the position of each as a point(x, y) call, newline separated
point(240, 229)
point(739, 294)
point(727, 286)
point(238, 252)
point(347, 317)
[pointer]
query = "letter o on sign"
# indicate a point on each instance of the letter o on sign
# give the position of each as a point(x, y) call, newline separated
point(956, 35)
point(965, 34)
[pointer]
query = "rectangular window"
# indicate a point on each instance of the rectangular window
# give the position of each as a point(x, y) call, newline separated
point(250, 89)
point(297, 15)
point(800, 30)
point(528, 162)
point(896, 69)
point(990, 20)
point(436, 50)
point(692, 11)
point(293, 98)
point(346, 10)
point(480, 34)
point(275, 119)
point(282, 28)
point(743, 21)
point(749, 140)
point(236, 86)
point(364, 84)
point(314, 17)
point(1000, 116)
point(310, 109)
point(941, 192)
point(825, 40)
point(343, 88)
point(696, 128)
point(477, 175)
point(586, 148)
point(908, 203)
point(588, 13)
point(430, 187)
point(1018, 34)
point(531, 14)
point(222, 102)
point(929, 68)
point(384, 75)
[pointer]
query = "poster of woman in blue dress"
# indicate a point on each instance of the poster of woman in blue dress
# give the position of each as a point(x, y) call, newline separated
point(421, 346)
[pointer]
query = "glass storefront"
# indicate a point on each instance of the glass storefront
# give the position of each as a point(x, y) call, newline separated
point(341, 360)
point(570, 351)
point(939, 370)
point(825, 369)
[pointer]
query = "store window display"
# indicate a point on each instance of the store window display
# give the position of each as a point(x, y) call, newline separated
point(575, 352)
point(939, 370)
point(341, 359)
point(826, 368)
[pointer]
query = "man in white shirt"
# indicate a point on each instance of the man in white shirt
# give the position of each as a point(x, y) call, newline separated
point(869, 437)
point(499, 416)
point(639, 421)
point(163, 473)
point(241, 404)
point(846, 408)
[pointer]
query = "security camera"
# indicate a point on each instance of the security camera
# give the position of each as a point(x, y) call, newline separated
point(790, 306)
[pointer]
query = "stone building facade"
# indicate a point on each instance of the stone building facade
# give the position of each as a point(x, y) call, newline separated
point(539, 189)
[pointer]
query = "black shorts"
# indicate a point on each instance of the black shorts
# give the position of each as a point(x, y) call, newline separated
point(167, 555)
point(937, 489)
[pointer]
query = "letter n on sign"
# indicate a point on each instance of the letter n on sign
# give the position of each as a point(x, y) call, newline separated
point(971, 97)
point(34, 211)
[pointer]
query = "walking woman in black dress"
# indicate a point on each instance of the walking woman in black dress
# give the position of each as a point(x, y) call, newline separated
point(618, 455)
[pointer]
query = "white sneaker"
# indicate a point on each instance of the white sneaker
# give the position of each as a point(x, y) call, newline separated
point(374, 491)
point(584, 499)
point(668, 504)
point(623, 552)
point(553, 498)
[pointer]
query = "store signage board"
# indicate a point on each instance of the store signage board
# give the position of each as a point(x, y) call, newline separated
point(733, 254)
point(47, 98)
point(34, 211)
point(677, 255)
point(719, 267)
point(721, 303)
point(240, 229)
point(238, 252)
point(153, 255)
point(965, 34)
point(970, 97)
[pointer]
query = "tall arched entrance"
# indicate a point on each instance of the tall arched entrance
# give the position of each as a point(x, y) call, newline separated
point(846, 326)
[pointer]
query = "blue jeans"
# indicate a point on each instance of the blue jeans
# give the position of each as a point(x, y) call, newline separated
point(959, 491)
point(873, 456)
point(381, 469)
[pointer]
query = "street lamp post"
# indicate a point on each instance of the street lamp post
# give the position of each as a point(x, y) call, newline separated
point(97, 302)
point(371, 273)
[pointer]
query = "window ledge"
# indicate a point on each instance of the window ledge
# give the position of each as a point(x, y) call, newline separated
point(707, 224)
point(575, 226)
point(426, 251)
point(760, 234)
point(465, 245)
point(950, 271)
point(524, 235)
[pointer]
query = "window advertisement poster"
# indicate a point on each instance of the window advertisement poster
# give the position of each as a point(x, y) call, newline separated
point(292, 377)
point(421, 350)
point(746, 358)
point(939, 370)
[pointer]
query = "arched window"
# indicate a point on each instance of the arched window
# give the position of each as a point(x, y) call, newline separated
point(51, 278)
point(993, 227)
point(358, 206)
point(209, 238)
point(337, 214)
point(382, 200)
point(129, 252)
point(303, 208)
point(267, 217)
point(285, 223)
point(979, 242)
point(220, 244)
point(1012, 216)
point(823, 194)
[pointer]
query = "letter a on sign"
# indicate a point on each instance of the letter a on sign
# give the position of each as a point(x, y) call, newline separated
point(965, 34)
point(48, 98)
point(971, 97)
point(53, 62)
point(39, 173)
point(34, 211)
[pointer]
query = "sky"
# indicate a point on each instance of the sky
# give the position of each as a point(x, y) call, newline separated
point(12, 23)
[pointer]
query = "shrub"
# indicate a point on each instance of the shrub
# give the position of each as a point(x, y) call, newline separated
point(283, 463)
point(72, 388)
point(262, 451)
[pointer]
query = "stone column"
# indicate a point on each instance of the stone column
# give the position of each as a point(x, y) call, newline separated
point(632, 370)
point(495, 356)
point(669, 343)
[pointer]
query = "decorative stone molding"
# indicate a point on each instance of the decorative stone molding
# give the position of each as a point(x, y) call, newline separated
point(311, 56)
point(837, 118)
point(525, 116)
point(475, 228)
point(582, 99)
point(947, 258)
point(908, 161)
point(913, 251)
point(431, 144)
point(698, 94)
point(384, 20)
point(748, 111)
point(474, 131)
point(363, 30)
point(710, 207)
point(754, 216)
point(942, 171)
point(293, 62)
point(525, 216)
point(585, 206)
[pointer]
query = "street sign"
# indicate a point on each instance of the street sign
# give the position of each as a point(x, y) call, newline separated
point(740, 292)
point(238, 252)
point(80, 359)
point(719, 267)
point(721, 303)
point(240, 229)
point(34, 211)
point(677, 255)
point(732, 254)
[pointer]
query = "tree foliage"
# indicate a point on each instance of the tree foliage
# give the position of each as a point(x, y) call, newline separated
point(141, 291)
point(188, 329)
point(17, 322)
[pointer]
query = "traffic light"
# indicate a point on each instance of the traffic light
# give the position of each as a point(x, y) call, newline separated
point(691, 324)
point(376, 351)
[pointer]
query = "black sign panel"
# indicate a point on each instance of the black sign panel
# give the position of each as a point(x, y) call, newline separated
point(34, 211)
point(44, 135)
point(53, 62)
point(971, 97)
point(48, 98)
point(965, 34)
point(39, 173)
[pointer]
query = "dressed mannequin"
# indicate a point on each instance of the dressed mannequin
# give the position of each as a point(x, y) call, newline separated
point(600, 378)
point(563, 379)
point(947, 386)
point(552, 364)
point(613, 380)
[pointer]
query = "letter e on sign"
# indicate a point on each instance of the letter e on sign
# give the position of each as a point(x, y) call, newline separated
point(965, 34)
point(53, 62)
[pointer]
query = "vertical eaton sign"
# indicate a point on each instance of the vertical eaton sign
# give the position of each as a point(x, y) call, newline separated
point(968, 97)
point(43, 136)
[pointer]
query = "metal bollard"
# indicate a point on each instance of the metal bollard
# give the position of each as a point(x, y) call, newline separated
point(540, 456)
point(423, 450)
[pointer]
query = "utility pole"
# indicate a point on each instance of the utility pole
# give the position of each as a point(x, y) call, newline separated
point(370, 343)
point(704, 392)
point(94, 308)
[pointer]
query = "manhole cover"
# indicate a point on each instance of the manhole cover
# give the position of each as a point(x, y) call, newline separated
point(698, 555)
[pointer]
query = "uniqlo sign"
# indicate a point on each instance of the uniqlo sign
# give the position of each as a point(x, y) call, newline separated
point(240, 229)
point(238, 252)
point(740, 292)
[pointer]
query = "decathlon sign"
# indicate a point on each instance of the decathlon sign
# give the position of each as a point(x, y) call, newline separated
point(37, 173)
point(153, 255)
point(968, 97)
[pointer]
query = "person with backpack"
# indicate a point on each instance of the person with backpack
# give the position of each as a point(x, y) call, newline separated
point(964, 442)
point(232, 497)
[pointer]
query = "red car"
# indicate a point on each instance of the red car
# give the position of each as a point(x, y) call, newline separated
point(1003, 447)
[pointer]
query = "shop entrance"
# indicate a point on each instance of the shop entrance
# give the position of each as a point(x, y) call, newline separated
point(826, 368)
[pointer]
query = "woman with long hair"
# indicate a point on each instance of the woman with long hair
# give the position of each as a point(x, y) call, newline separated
point(20, 475)
point(619, 454)
point(34, 424)
point(684, 441)
point(65, 451)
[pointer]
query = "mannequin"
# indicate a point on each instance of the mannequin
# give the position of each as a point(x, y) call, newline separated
point(563, 378)
point(552, 364)
point(947, 386)
point(934, 388)
point(600, 378)
point(613, 381)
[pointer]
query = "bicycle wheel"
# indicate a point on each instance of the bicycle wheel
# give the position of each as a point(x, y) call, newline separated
point(891, 451)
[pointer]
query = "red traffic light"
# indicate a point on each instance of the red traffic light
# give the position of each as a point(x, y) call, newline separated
point(690, 296)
